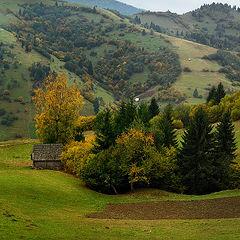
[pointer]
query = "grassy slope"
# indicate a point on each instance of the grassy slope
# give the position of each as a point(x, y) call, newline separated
point(190, 54)
point(22, 111)
point(51, 205)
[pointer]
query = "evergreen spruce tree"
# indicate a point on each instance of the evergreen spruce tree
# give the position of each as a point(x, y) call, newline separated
point(220, 93)
point(164, 133)
point(195, 93)
point(143, 114)
point(105, 136)
point(215, 95)
point(212, 94)
point(153, 108)
point(124, 117)
point(196, 156)
point(225, 149)
point(96, 105)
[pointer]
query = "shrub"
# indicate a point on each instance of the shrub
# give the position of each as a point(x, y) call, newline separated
point(86, 123)
point(75, 154)
point(178, 124)
point(2, 112)
point(187, 69)
point(235, 115)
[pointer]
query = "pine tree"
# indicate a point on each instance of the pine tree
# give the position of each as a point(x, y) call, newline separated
point(144, 32)
point(225, 149)
point(143, 114)
point(153, 108)
point(211, 94)
point(215, 95)
point(96, 105)
point(105, 136)
point(220, 93)
point(195, 93)
point(195, 157)
point(124, 117)
point(164, 133)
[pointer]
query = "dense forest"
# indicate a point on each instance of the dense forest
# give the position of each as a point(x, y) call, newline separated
point(66, 33)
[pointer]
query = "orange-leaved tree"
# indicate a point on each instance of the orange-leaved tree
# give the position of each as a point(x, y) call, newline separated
point(58, 109)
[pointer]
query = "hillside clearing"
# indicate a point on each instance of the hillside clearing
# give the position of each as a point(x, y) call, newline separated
point(204, 73)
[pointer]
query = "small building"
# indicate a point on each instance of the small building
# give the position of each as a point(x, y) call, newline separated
point(47, 156)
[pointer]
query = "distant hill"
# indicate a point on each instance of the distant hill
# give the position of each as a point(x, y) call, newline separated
point(109, 56)
point(122, 8)
point(216, 25)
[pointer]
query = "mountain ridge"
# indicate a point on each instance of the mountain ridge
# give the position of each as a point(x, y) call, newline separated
point(216, 25)
point(121, 7)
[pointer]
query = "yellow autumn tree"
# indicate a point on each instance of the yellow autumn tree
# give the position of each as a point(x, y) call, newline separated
point(58, 109)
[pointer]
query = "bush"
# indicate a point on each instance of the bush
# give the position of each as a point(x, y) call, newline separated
point(235, 115)
point(8, 120)
point(2, 112)
point(178, 124)
point(86, 123)
point(75, 154)
point(187, 69)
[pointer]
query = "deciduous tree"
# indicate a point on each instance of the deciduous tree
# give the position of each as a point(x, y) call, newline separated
point(57, 110)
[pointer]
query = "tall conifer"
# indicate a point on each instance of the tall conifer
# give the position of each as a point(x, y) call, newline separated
point(153, 108)
point(196, 156)
point(225, 149)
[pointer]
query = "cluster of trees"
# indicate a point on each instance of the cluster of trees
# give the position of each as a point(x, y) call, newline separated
point(136, 145)
point(54, 30)
point(8, 119)
point(131, 150)
point(38, 72)
point(215, 95)
point(7, 59)
point(114, 71)
point(230, 63)
point(223, 15)
point(170, 95)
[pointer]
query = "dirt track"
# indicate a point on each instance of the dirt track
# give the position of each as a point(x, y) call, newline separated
point(200, 209)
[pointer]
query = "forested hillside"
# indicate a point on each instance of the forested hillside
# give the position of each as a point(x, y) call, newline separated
point(109, 56)
point(110, 4)
point(216, 25)
point(74, 38)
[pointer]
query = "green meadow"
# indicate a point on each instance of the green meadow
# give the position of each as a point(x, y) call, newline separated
point(44, 204)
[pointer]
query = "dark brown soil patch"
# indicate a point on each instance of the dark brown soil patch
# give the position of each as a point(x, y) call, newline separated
point(199, 209)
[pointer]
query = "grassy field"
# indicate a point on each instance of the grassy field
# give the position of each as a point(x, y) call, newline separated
point(42, 204)
point(190, 55)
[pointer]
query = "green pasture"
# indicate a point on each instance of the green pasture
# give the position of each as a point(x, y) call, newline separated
point(43, 204)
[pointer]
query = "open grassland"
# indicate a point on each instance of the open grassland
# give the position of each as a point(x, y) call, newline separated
point(204, 73)
point(42, 204)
